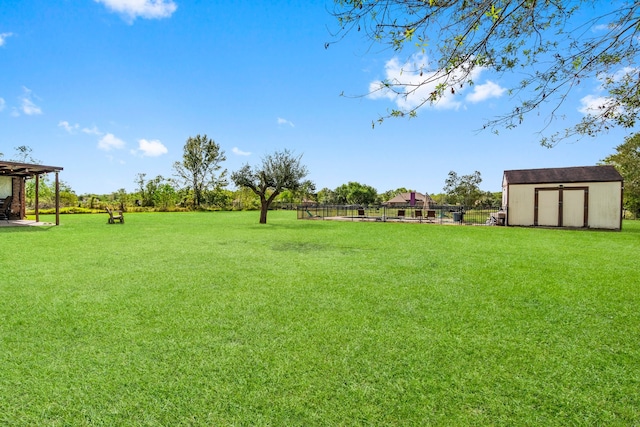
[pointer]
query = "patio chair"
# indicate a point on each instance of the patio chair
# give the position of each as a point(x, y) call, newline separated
point(5, 208)
point(431, 215)
point(115, 216)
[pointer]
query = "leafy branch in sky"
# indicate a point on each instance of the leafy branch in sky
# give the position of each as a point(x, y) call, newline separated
point(554, 46)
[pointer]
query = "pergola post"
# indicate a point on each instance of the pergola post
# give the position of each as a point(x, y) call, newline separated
point(57, 200)
point(37, 198)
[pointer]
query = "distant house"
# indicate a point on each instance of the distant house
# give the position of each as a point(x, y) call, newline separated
point(13, 177)
point(580, 197)
point(410, 199)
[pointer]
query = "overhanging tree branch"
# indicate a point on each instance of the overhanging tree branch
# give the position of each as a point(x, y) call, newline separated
point(551, 43)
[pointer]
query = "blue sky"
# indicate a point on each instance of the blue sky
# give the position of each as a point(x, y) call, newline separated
point(108, 89)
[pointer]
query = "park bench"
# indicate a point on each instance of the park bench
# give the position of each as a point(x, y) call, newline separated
point(115, 216)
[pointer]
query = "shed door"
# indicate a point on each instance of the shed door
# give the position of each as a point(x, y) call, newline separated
point(548, 208)
point(561, 207)
point(573, 208)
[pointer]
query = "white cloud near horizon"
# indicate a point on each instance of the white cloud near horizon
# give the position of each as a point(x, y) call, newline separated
point(153, 148)
point(148, 9)
point(3, 38)
point(92, 131)
point(68, 127)
point(282, 121)
point(27, 105)
point(110, 142)
point(72, 129)
point(237, 151)
point(408, 74)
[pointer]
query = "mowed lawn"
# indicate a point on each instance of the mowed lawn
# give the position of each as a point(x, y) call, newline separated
point(212, 319)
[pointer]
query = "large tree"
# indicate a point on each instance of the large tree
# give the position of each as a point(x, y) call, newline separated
point(326, 196)
point(279, 171)
point(200, 162)
point(464, 189)
point(627, 162)
point(356, 194)
point(552, 45)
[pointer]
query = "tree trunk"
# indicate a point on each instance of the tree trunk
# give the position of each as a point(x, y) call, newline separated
point(264, 206)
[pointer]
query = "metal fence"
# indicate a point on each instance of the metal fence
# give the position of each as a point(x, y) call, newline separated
point(436, 214)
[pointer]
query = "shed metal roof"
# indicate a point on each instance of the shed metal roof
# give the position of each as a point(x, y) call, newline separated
point(605, 173)
point(25, 169)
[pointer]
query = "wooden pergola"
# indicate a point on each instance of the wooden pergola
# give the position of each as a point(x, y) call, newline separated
point(27, 170)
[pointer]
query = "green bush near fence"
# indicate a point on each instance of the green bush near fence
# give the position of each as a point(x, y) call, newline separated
point(205, 318)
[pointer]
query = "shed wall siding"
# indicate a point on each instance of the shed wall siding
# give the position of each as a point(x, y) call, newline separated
point(521, 204)
point(604, 205)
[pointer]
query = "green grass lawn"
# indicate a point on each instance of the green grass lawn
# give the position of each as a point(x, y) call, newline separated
point(212, 319)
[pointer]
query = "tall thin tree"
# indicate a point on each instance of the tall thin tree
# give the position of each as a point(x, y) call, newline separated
point(200, 162)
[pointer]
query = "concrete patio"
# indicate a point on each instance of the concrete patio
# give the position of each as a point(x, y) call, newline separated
point(23, 223)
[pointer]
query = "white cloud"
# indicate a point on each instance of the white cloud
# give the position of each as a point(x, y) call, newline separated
point(153, 148)
point(92, 131)
point(624, 72)
point(594, 104)
point(27, 106)
point(415, 74)
point(2, 104)
point(3, 38)
point(149, 9)
point(110, 142)
point(282, 121)
point(75, 127)
point(68, 127)
point(485, 91)
point(239, 152)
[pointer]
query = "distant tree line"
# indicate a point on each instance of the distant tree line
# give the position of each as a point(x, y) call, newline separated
point(279, 182)
point(199, 182)
point(166, 194)
point(458, 190)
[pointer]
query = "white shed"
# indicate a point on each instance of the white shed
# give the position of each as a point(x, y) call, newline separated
point(577, 197)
